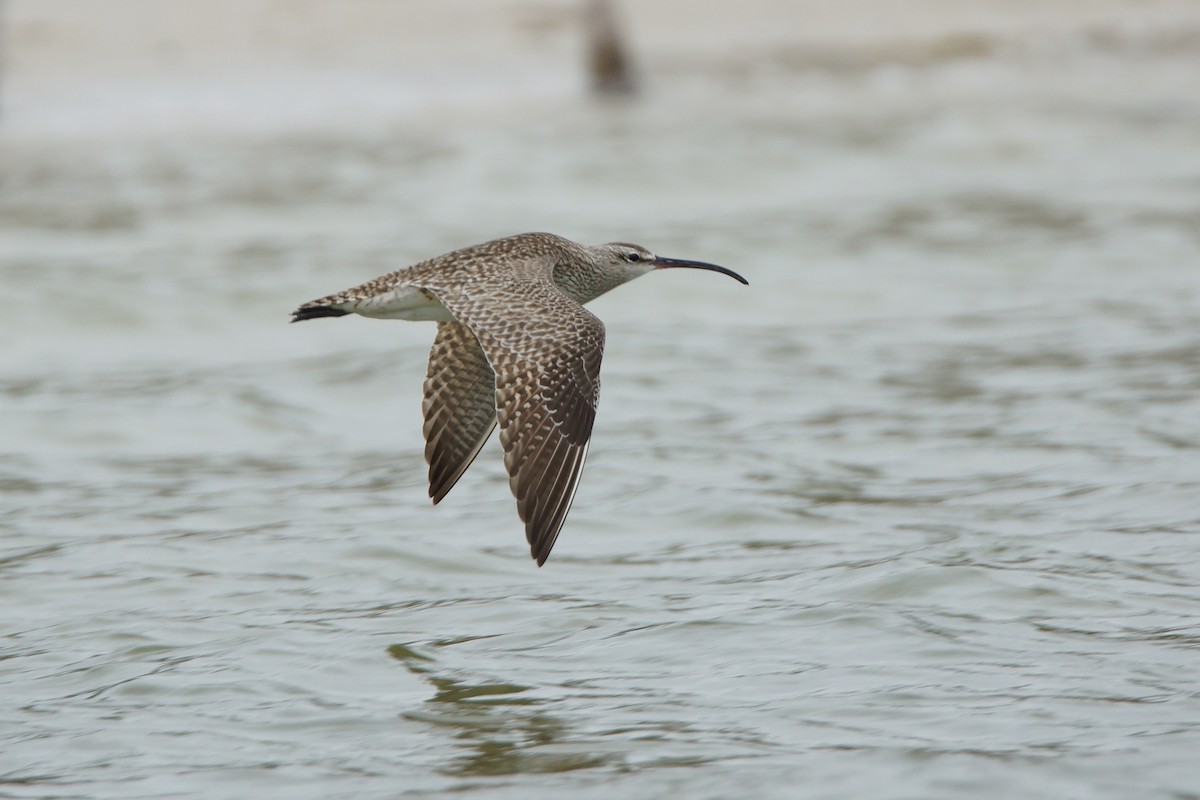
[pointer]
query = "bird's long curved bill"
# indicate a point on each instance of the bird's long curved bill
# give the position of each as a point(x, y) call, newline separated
point(669, 263)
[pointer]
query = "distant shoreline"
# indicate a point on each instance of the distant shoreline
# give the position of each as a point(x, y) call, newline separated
point(175, 63)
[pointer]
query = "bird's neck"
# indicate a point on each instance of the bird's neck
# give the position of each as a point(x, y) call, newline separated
point(584, 285)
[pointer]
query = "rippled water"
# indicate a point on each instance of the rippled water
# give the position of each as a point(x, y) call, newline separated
point(913, 515)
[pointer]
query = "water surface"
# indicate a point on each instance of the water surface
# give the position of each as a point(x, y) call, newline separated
point(913, 515)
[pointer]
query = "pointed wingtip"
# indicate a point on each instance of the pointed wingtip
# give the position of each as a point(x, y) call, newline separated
point(541, 551)
point(540, 545)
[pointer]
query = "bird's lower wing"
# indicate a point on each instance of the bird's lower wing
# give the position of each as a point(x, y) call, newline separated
point(459, 405)
point(545, 350)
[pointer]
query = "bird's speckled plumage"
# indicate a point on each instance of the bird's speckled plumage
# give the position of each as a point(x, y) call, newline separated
point(515, 347)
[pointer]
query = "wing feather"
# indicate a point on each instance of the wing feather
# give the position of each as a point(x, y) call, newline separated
point(545, 351)
point(459, 406)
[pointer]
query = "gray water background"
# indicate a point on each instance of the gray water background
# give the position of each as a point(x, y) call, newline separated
point(916, 514)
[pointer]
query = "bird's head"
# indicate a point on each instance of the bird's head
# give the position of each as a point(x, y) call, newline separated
point(631, 261)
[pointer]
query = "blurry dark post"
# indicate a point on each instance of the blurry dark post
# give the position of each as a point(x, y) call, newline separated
point(608, 58)
point(1, 59)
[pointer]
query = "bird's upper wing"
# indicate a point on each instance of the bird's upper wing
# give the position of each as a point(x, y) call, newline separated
point(545, 350)
point(459, 405)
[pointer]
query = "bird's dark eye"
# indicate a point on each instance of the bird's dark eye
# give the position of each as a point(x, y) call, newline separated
point(633, 258)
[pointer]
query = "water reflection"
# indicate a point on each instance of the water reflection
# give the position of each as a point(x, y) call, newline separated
point(504, 733)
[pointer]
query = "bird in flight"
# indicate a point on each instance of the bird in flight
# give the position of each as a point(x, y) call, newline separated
point(514, 347)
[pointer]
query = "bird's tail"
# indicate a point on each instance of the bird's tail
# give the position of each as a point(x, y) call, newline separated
point(316, 309)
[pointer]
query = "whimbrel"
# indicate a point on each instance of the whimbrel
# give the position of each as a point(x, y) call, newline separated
point(514, 345)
